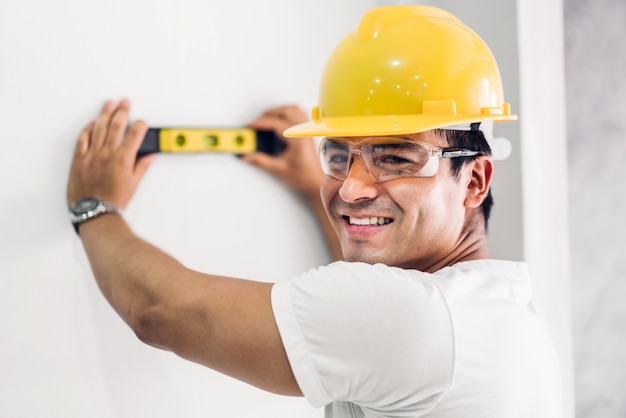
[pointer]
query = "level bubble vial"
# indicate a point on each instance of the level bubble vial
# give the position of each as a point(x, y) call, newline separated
point(211, 140)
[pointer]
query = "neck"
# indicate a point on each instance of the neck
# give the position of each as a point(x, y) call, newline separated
point(476, 251)
point(472, 245)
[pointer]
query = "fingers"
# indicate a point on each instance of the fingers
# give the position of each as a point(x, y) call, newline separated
point(134, 137)
point(280, 118)
point(292, 113)
point(110, 125)
point(105, 160)
point(82, 145)
point(271, 124)
point(117, 125)
point(132, 142)
point(109, 132)
point(101, 126)
point(142, 166)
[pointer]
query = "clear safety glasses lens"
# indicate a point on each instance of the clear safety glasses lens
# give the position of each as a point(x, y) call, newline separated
point(384, 158)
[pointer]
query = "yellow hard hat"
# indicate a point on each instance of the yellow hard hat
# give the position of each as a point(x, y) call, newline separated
point(406, 69)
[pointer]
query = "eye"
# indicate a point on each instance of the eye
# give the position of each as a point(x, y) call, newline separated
point(335, 156)
point(395, 158)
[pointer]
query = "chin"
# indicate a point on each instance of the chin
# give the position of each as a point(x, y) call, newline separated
point(364, 256)
point(370, 257)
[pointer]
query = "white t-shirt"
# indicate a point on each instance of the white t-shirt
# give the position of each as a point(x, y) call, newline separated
point(377, 341)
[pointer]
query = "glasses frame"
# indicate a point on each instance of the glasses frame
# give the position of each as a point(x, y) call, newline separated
point(429, 170)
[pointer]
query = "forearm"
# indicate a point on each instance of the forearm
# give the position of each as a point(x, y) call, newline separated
point(133, 275)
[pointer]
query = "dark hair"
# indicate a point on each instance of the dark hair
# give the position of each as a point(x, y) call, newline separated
point(475, 141)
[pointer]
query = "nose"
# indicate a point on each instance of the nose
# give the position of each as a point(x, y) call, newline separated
point(359, 183)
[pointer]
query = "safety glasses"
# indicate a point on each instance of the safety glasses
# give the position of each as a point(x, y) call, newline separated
point(385, 158)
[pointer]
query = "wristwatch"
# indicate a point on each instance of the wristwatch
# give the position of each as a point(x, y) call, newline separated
point(90, 208)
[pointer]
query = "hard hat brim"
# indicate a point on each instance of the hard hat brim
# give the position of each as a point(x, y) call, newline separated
point(383, 125)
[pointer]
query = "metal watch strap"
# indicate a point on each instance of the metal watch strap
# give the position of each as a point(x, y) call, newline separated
point(101, 207)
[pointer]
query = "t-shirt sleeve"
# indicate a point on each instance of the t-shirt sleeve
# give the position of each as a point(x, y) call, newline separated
point(373, 335)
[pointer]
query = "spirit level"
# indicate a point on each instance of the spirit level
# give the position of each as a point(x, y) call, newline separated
point(228, 140)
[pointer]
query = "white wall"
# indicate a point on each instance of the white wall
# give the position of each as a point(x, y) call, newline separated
point(194, 63)
point(64, 352)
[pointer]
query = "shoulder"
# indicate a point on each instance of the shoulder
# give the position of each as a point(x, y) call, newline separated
point(367, 307)
point(362, 278)
point(490, 279)
point(357, 286)
point(355, 320)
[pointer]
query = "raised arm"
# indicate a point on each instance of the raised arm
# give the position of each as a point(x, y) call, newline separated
point(298, 166)
point(224, 323)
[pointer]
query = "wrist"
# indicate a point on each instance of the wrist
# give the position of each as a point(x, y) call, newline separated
point(88, 209)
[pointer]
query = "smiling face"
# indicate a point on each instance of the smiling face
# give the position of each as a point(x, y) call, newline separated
point(414, 222)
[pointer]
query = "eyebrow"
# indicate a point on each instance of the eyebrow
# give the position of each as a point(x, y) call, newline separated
point(337, 145)
point(393, 144)
point(389, 141)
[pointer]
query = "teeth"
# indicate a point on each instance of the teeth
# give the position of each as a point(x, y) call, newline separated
point(374, 220)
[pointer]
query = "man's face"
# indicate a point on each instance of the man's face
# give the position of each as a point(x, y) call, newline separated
point(414, 222)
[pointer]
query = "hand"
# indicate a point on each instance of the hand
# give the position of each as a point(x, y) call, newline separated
point(298, 166)
point(104, 163)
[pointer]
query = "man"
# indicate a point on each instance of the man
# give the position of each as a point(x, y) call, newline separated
point(418, 320)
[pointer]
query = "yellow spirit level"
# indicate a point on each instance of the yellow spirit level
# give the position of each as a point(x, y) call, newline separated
point(228, 140)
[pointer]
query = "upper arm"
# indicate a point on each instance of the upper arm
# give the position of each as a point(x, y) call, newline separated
point(224, 323)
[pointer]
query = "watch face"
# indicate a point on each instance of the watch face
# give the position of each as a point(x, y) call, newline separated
point(85, 205)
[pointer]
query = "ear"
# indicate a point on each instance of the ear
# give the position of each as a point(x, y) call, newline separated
point(479, 182)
